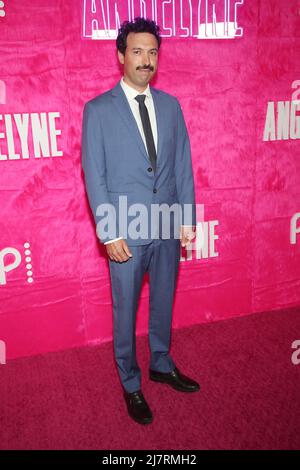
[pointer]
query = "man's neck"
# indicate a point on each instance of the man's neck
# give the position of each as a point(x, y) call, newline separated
point(131, 85)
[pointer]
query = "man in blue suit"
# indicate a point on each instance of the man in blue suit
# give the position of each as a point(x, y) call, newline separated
point(136, 158)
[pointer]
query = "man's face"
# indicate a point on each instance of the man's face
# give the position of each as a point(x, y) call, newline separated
point(140, 60)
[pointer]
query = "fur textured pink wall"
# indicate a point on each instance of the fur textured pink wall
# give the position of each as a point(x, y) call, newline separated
point(248, 185)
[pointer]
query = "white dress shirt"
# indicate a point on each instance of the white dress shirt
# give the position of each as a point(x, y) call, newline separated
point(131, 93)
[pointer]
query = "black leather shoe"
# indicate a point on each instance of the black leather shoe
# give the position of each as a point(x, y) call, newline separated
point(176, 380)
point(138, 408)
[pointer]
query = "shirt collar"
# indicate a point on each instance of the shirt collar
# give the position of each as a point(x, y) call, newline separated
point(131, 92)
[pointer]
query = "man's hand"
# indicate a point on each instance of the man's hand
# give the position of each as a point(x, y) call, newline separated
point(187, 234)
point(118, 251)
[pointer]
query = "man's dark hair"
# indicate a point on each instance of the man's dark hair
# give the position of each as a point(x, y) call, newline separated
point(138, 25)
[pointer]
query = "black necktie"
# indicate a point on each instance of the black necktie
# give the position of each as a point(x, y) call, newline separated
point(147, 130)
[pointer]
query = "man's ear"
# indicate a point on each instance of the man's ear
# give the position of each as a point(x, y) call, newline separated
point(121, 57)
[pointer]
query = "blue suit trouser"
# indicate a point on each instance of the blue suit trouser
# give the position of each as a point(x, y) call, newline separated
point(161, 259)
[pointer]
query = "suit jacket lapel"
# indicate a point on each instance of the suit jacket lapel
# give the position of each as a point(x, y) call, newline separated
point(120, 101)
point(159, 120)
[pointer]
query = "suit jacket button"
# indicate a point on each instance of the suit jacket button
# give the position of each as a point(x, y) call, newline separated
point(149, 169)
point(155, 190)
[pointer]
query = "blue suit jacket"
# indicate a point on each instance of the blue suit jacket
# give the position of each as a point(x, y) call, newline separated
point(115, 163)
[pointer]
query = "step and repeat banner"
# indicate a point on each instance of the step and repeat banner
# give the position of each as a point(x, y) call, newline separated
point(235, 67)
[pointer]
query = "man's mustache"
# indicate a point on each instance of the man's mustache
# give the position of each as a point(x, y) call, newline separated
point(146, 67)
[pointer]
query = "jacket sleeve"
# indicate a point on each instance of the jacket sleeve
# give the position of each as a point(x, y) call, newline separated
point(94, 168)
point(184, 172)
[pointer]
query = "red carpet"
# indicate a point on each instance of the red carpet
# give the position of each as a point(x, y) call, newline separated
point(250, 397)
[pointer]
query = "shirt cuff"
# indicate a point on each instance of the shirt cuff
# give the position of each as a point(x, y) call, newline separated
point(114, 240)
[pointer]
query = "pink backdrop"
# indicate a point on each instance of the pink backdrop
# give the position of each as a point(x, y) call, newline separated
point(55, 291)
